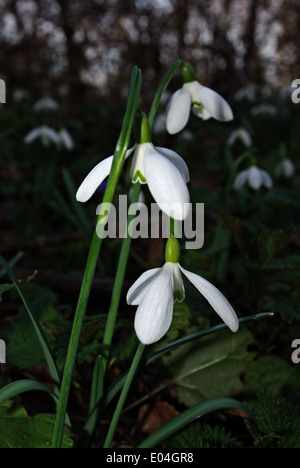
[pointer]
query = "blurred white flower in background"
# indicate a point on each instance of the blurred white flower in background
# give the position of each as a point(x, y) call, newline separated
point(48, 135)
point(240, 134)
point(247, 93)
point(255, 177)
point(45, 134)
point(285, 169)
point(264, 109)
point(45, 104)
point(19, 95)
point(66, 140)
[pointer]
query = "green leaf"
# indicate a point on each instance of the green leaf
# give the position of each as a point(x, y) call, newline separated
point(210, 367)
point(36, 325)
point(277, 240)
point(180, 323)
point(272, 373)
point(198, 435)
point(23, 345)
point(21, 386)
point(189, 415)
point(5, 287)
point(275, 422)
point(18, 430)
point(284, 305)
point(242, 233)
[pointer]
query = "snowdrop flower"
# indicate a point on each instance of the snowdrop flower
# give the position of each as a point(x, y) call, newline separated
point(165, 172)
point(46, 134)
point(66, 140)
point(241, 134)
point(255, 177)
point(204, 102)
point(156, 290)
point(19, 95)
point(45, 104)
point(247, 92)
point(264, 109)
point(285, 168)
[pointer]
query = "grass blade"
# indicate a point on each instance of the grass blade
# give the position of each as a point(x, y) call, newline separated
point(40, 334)
point(188, 416)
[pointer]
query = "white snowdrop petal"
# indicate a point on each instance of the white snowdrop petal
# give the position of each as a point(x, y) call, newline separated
point(245, 137)
point(177, 160)
point(166, 185)
point(178, 111)
point(32, 135)
point(154, 314)
point(216, 299)
point(267, 180)
point(51, 134)
point(95, 178)
point(66, 139)
point(254, 177)
point(288, 168)
point(140, 287)
point(240, 180)
point(213, 103)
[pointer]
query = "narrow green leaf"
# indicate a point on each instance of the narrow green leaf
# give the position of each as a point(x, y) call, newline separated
point(21, 386)
point(167, 78)
point(188, 416)
point(36, 325)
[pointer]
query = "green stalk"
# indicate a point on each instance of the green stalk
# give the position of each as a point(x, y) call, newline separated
point(166, 80)
point(101, 363)
point(118, 161)
point(123, 396)
point(118, 284)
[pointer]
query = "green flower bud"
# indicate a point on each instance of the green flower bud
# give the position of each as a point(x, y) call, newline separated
point(187, 73)
point(172, 250)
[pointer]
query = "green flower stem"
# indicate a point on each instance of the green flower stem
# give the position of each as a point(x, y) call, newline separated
point(166, 80)
point(118, 284)
point(123, 395)
point(118, 161)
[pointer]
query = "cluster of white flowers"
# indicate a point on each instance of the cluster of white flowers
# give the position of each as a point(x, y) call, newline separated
point(167, 176)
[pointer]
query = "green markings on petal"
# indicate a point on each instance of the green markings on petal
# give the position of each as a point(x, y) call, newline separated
point(197, 107)
point(139, 176)
point(178, 295)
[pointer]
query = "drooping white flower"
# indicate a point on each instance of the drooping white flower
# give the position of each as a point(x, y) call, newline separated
point(165, 172)
point(46, 134)
point(255, 177)
point(247, 92)
point(285, 168)
point(19, 95)
point(155, 292)
point(204, 102)
point(264, 109)
point(45, 104)
point(240, 134)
